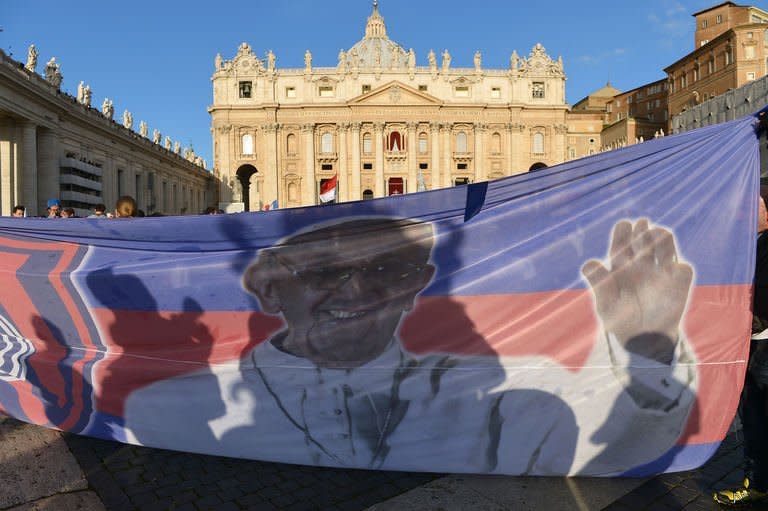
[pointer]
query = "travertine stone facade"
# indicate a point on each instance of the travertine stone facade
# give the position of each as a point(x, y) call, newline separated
point(55, 146)
point(381, 123)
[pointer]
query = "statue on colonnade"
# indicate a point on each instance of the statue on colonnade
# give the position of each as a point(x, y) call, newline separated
point(31, 59)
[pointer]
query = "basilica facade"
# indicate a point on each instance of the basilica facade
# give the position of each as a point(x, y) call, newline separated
point(382, 125)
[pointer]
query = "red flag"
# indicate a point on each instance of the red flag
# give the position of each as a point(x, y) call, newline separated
point(328, 189)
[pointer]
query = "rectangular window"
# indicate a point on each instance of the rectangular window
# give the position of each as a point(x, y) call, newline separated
point(367, 145)
point(749, 52)
point(423, 166)
point(367, 166)
point(711, 66)
point(750, 76)
point(537, 89)
point(326, 166)
point(290, 92)
point(728, 56)
point(422, 145)
point(422, 88)
point(245, 89)
point(461, 91)
point(750, 35)
point(325, 91)
point(461, 180)
point(719, 19)
point(704, 23)
point(495, 92)
point(366, 89)
point(462, 166)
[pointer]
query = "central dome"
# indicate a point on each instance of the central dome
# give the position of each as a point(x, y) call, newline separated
point(376, 49)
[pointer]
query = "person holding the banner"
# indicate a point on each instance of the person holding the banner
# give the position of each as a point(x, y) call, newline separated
point(337, 387)
point(753, 406)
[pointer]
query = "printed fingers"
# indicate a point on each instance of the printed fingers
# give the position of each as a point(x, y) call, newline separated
point(621, 244)
point(603, 282)
point(642, 244)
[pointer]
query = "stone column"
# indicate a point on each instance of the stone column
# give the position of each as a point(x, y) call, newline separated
point(479, 159)
point(8, 167)
point(519, 156)
point(378, 135)
point(25, 188)
point(272, 172)
point(445, 149)
point(412, 149)
point(47, 168)
point(355, 191)
point(434, 131)
point(309, 195)
point(343, 171)
point(509, 149)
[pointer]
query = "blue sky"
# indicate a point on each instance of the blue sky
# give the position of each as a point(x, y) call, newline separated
point(155, 58)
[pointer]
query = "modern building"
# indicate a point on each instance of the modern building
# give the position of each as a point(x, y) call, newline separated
point(382, 124)
point(731, 50)
point(55, 146)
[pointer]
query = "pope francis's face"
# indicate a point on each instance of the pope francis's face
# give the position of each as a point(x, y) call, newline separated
point(343, 298)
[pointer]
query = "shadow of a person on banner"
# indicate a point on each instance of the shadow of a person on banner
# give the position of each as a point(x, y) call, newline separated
point(147, 345)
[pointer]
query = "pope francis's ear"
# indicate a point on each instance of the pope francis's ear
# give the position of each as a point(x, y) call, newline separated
point(259, 280)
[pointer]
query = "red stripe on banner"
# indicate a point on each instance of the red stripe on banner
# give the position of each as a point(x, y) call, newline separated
point(718, 324)
point(147, 346)
point(511, 325)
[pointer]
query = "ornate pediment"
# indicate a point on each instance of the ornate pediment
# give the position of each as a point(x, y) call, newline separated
point(245, 62)
point(397, 94)
point(540, 64)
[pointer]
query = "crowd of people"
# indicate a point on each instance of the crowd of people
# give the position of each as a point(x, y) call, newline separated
point(125, 207)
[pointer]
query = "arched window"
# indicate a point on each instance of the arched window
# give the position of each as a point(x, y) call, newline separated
point(291, 143)
point(247, 143)
point(496, 143)
point(326, 143)
point(538, 143)
point(423, 143)
point(367, 143)
point(395, 142)
point(461, 142)
point(367, 194)
point(293, 192)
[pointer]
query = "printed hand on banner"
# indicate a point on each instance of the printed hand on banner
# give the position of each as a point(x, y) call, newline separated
point(641, 297)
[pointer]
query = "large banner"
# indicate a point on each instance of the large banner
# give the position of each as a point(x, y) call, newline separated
point(591, 318)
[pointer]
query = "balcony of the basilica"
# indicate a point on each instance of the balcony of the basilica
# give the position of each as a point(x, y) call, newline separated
point(396, 155)
point(327, 157)
point(463, 156)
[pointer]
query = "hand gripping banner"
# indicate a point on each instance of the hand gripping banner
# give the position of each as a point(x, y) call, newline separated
point(591, 318)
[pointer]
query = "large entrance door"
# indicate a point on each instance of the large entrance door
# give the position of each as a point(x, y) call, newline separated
point(395, 186)
point(244, 174)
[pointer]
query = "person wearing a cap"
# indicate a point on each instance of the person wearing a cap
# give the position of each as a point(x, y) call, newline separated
point(53, 208)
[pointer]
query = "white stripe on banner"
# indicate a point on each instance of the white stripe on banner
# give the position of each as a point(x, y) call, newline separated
point(14, 351)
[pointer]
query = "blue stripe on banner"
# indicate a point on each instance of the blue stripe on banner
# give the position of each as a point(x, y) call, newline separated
point(532, 232)
point(677, 459)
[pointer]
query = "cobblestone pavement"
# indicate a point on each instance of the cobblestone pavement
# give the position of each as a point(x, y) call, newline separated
point(139, 478)
point(690, 490)
point(128, 477)
point(131, 478)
